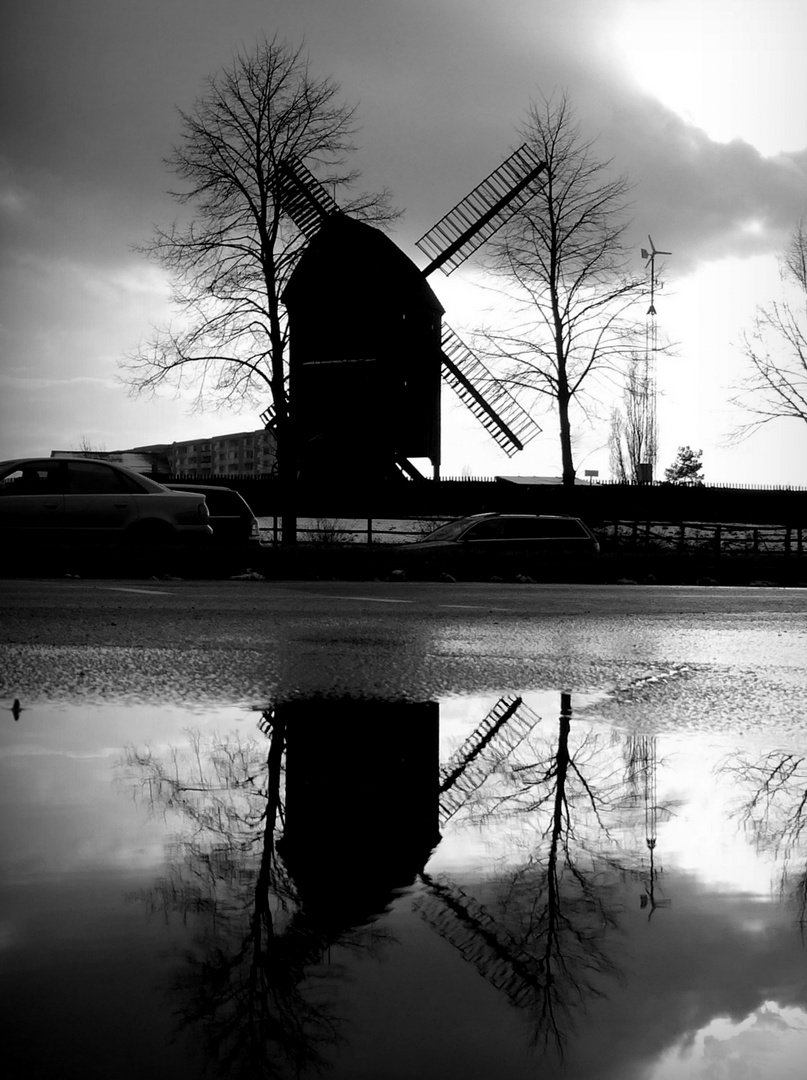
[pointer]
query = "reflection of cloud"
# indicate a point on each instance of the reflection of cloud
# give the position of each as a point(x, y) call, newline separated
point(770, 1041)
point(698, 974)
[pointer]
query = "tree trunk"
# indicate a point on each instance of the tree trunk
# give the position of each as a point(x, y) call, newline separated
point(287, 480)
point(566, 442)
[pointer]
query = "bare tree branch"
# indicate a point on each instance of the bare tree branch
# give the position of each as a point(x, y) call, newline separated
point(563, 261)
point(774, 385)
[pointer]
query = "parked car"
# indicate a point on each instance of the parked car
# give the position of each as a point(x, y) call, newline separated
point(231, 518)
point(79, 501)
point(521, 540)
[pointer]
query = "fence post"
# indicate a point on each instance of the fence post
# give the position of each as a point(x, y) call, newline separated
point(616, 533)
point(634, 534)
point(788, 539)
point(369, 530)
point(756, 541)
point(682, 536)
point(718, 540)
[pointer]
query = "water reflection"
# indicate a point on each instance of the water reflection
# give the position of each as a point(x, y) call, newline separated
point(772, 808)
point(291, 849)
point(544, 930)
point(470, 887)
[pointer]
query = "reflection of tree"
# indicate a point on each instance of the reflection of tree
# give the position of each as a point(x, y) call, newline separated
point(539, 933)
point(774, 811)
point(245, 980)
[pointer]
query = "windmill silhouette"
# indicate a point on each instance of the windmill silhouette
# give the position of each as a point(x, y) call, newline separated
point(368, 345)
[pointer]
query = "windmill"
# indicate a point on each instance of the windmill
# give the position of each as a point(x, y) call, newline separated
point(647, 387)
point(368, 345)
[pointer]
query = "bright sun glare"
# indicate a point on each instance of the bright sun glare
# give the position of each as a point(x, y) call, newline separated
point(736, 71)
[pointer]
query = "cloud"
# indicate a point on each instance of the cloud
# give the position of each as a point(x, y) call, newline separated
point(31, 382)
point(702, 199)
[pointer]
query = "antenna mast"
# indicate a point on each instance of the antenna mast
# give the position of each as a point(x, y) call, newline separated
point(647, 389)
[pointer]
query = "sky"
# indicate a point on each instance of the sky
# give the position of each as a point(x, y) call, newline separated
point(701, 103)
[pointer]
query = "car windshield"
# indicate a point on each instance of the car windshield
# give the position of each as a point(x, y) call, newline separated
point(452, 531)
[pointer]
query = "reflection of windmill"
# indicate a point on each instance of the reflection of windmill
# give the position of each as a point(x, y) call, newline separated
point(646, 386)
point(505, 726)
point(482, 940)
point(367, 342)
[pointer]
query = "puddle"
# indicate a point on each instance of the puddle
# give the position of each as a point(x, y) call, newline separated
point(478, 886)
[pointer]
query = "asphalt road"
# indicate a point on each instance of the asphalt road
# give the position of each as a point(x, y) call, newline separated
point(736, 655)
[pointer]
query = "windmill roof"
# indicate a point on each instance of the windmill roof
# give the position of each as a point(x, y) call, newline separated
point(348, 257)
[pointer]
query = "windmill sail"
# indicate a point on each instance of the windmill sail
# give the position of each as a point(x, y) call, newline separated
point(477, 217)
point(303, 197)
point(507, 724)
point(480, 939)
point(499, 413)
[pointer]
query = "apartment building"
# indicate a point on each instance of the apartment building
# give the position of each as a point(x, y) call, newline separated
point(244, 453)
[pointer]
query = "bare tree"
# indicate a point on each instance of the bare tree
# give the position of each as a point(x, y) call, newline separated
point(633, 439)
point(87, 446)
point(775, 347)
point(562, 260)
point(231, 256)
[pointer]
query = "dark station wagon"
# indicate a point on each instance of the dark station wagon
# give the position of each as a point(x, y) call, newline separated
point(521, 541)
point(231, 518)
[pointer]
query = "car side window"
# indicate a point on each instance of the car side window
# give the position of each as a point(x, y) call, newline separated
point(485, 530)
point(557, 529)
point(501, 528)
point(93, 478)
point(33, 478)
point(515, 529)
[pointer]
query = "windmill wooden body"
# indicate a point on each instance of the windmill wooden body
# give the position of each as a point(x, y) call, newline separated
point(368, 344)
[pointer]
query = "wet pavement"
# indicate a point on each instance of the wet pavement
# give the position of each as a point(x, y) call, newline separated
point(549, 832)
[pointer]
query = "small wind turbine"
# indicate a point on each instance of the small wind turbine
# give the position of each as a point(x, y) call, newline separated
point(651, 262)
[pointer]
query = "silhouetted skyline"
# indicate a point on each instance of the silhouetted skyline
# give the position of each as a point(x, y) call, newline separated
point(701, 109)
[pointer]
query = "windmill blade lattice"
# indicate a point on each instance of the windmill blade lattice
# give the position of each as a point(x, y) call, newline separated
point(477, 217)
point(466, 925)
point(303, 197)
point(507, 724)
point(498, 411)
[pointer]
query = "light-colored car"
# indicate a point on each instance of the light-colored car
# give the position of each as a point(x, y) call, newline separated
point(83, 501)
point(488, 536)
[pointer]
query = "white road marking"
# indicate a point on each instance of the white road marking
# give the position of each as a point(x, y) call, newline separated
point(473, 607)
point(145, 592)
point(372, 599)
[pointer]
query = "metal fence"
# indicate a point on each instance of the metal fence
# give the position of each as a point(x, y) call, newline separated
point(353, 530)
point(722, 538)
point(670, 536)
